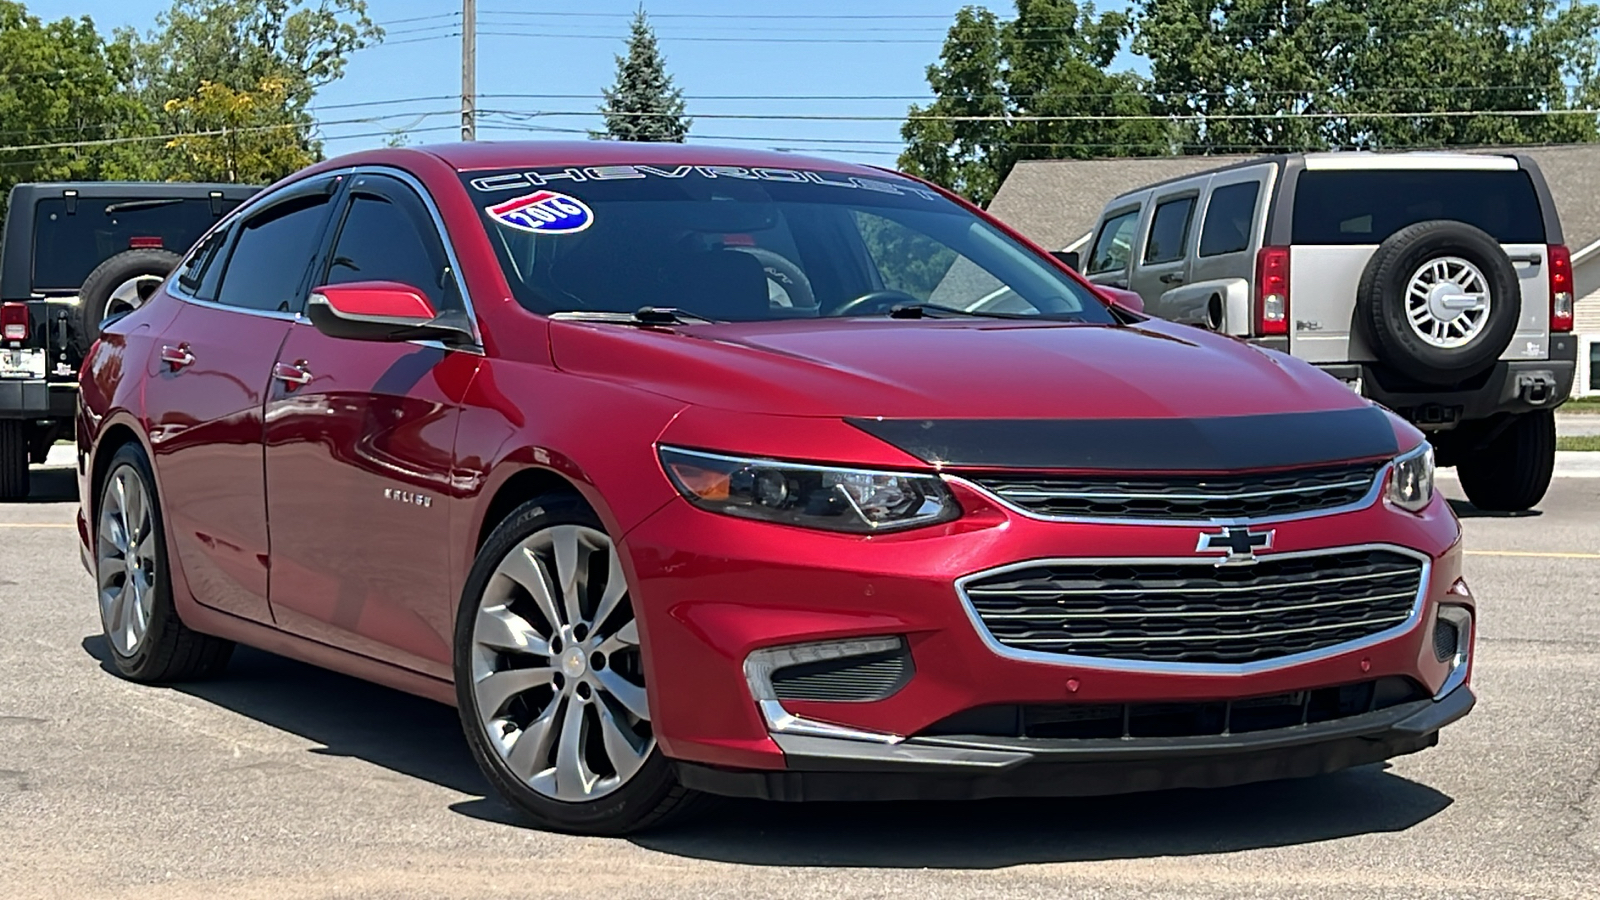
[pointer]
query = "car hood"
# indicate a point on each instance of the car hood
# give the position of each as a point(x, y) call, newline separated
point(957, 369)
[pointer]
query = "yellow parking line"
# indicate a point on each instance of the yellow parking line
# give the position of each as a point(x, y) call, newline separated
point(1534, 553)
point(37, 525)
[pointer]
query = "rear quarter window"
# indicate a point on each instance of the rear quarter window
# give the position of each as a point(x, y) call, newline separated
point(1366, 207)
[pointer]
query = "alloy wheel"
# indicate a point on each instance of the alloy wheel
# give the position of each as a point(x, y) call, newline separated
point(131, 294)
point(125, 560)
point(1447, 302)
point(557, 680)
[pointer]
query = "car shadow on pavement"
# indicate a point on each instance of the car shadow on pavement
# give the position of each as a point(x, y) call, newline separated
point(1465, 510)
point(992, 834)
point(346, 716)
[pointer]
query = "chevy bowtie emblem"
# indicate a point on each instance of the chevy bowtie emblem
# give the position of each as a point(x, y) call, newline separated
point(1239, 542)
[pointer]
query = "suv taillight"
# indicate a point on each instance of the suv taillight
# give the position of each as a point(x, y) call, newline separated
point(1272, 291)
point(1561, 300)
point(13, 321)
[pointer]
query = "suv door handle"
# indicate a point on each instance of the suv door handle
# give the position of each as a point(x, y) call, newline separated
point(1531, 259)
point(177, 357)
point(1171, 278)
point(292, 375)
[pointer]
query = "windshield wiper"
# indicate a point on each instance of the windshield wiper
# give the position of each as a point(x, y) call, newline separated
point(935, 311)
point(644, 315)
point(126, 205)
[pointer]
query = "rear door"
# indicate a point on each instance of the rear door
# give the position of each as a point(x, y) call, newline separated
point(1162, 262)
point(207, 390)
point(1109, 258)
point(360, 437)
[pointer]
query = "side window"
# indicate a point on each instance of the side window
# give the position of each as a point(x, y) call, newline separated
point(388, 235)
point(271, 255)
point(1169, 231)
point(1229, 215)
point(200, 273)
point(1113, 247)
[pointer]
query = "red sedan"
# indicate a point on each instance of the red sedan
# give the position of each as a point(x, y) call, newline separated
point(681, 470)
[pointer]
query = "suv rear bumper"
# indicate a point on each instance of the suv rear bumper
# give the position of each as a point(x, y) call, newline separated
point(1512, 386)
point(36, 398)
point(969, 768)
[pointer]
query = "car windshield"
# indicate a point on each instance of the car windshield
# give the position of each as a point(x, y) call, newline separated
point(736, 244)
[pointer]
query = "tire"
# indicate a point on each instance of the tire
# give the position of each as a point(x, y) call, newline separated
point(1513, 472)
point(95, 296)
point(162, 649)
point(503, 627)
point(14, 459)
point(1383, 298)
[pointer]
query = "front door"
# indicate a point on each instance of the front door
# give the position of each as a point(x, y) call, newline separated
point(360, 437)
point(205, 402)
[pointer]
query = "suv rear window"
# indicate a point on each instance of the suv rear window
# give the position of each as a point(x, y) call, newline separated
point(66, 248)
point(1366, 207)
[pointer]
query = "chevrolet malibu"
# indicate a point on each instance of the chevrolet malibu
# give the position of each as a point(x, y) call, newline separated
point(686, 471)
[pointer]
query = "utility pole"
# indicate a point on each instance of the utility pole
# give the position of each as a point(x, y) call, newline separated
point(469, 70)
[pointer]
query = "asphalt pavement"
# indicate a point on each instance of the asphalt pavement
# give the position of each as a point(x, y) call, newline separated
point(282, 781)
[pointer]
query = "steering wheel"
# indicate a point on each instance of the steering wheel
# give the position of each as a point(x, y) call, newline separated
point(873, 301)
point(786, 277)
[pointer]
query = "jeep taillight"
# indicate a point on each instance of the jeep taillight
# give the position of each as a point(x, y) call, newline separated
point(13, 321)
point(1272, 291)
point(1561, 300)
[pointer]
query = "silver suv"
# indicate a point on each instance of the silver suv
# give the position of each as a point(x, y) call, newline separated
point(1436, 284)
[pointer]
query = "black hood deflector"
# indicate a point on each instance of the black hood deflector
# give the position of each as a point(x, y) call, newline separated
point(1230, 443)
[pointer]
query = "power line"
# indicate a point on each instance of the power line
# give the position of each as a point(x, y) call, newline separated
point(1155, 117)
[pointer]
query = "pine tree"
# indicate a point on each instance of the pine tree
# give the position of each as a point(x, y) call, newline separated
point(643, 105)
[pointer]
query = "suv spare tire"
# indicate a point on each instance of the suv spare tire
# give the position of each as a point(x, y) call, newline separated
point(1439, 301)
point(119, 284)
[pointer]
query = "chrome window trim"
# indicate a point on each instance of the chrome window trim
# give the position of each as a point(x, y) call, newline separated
point(1367, 500)
point(1411, 623)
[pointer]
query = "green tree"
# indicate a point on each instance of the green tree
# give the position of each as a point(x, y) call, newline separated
point(231, 135)
point(1033, 87)
point(272, 54)
point(643, 105)
point(61, 84)
point(1311, 74)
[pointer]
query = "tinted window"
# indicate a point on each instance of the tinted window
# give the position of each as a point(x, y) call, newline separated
point(200, 273)
point(1114, 247)
point(1169, 231)
point(66, 248)
point(271, 256)
point(1229, 215)
point(1355, 207)
point(390, 237)
point(737, 244)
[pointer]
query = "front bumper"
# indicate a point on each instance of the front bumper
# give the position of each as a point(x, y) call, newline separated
point(972, 768)
point(710, 590)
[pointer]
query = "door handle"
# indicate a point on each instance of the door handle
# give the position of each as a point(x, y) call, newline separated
point(1171, 278)
point(1531, 259)
point(177, 357)
point(292, 375)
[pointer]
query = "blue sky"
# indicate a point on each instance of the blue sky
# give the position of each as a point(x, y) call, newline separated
point(524, 50)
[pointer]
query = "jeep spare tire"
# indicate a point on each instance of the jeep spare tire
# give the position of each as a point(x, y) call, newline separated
point(1439, 301)
point(120, 284)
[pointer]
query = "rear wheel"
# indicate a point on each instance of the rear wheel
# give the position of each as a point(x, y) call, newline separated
point(147, 639)
point(1513, 471)
point(549, 676)
point(13, 459)
point(120, 284)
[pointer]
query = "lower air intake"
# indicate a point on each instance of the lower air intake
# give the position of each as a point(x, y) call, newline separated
point(850, 679)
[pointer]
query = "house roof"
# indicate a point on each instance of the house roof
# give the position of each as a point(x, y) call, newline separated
point(1056, 201)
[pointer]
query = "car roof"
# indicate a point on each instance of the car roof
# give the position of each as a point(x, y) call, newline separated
point(478, 155)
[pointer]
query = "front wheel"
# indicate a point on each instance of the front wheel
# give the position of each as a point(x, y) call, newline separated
point(549, 677)
point(1513, 472)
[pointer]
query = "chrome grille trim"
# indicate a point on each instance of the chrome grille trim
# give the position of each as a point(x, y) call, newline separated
point(1014, 503)
point(1228, 637)
point(1410, 623)
point(1065, 617)
point(996, 592)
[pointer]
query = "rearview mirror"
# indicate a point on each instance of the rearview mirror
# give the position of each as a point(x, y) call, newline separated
point(1069, 258)
point(1126, 299)
point(382, 311)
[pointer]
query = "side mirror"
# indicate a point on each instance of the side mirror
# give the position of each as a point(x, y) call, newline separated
point(382, 311)
point(1124, 298)
point(1069, 258)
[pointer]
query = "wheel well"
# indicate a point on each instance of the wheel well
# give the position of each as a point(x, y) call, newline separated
point(519, 489)
point(110, 442)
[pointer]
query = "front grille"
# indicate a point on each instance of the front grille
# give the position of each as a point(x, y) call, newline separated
point(1198, 612)
point(1199, 497)
point(852, 678)
point(1065, 721)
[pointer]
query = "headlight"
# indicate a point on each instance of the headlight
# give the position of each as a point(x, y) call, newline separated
point(1411, 481)
point(826, 497)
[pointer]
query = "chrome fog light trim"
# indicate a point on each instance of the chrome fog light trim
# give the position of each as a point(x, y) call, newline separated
point(760, 664)
point(1461, 618)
